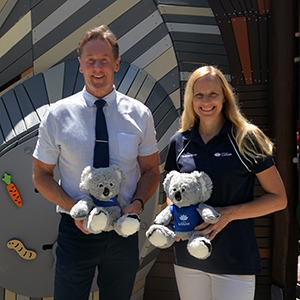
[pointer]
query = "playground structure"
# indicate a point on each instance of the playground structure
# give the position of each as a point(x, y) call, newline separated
point(161, 42)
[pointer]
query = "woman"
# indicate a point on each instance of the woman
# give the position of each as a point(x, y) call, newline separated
point(216, 138)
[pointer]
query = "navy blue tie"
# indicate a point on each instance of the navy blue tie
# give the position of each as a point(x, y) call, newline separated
point(101, 151)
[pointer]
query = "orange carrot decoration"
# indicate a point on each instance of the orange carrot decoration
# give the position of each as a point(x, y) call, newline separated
point(12, 190)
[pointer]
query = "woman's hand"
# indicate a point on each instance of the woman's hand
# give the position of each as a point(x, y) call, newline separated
point(213, 229)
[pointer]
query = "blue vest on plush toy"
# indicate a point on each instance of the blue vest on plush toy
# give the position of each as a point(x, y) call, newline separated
point(111, 202)
point(185, 218)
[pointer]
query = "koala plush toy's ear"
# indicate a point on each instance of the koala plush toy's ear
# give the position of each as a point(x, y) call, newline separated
point(84, 176)
point(121, 175)
point(166, 183)
point(206, 184)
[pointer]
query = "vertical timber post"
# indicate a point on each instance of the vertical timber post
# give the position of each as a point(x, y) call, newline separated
point(283, 122)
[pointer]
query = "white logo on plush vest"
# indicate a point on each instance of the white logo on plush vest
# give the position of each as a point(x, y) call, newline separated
point(183, 218)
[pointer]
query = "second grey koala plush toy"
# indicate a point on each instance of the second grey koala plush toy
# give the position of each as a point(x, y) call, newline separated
point(188, 192)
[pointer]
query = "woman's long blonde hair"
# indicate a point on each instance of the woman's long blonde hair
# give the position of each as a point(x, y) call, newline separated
point(247, 136)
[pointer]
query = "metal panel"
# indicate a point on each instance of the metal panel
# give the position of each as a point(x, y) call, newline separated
point(20, 9)
point(170, 81)
point(18, 32)
point(139, 31)
point(197, 37)
point(16, 52)
point(2, 4)
point(69, 25)
point(196, 28)
point(18, 67)
point(168, 119)
point(43, 9)
point(145, 43)
point(35, 88)
point(132, 17)
point(146, 89)
point(67, 45)
point(14, 113)
point(56, 18)
point(200, 48)
point(201, 3)
point(30, 116)
point(232, 53)
point(71, 70)
point(137, 83)
point(220, 60)
point(79, 83)
point(157, 95)
point(6, 126)
point(254, 46)
point(189, 19)
point(240, 31)
point(263, 22)
point(151, 54)
point(164, 140)
point(162, 110)
point(129, 78)
point(175, 97)
point(185, 10)
point(162, 65)
point(54, 79)
point(121, 73)
point(7, 8)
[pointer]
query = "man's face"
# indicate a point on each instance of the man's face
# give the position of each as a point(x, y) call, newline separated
point(97, 64)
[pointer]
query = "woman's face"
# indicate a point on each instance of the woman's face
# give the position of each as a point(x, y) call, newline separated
point(208, 98)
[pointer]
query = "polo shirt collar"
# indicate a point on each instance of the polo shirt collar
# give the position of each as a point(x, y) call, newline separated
point(90, 99)
point(193, 132)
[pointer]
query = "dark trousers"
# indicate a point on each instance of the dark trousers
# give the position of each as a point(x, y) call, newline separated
point(78, 256)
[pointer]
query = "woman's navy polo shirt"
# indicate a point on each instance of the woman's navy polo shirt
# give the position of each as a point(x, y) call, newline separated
point(235, 249)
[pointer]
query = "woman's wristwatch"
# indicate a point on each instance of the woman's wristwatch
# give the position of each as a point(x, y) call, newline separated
point(140, 200)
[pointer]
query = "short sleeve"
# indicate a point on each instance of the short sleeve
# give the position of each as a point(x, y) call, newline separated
point(148, 145)
point(170, 163)
point(46, 149)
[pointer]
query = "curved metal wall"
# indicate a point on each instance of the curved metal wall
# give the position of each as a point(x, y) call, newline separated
point(161, 43)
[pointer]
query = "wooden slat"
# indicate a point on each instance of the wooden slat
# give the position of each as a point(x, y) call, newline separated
point(240, 30)
point(263, 23)
point(265, 252)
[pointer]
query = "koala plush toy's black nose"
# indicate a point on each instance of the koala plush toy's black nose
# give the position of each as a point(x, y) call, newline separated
point(178, 196)
point(106, 192)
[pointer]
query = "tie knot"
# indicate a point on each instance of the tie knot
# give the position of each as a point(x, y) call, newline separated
point(100, 103)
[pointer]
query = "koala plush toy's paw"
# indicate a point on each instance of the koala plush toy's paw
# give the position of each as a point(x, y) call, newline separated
point(199, 246)
point(97, 220)
point(127, 225)
point(81, 209)
point(160, 236)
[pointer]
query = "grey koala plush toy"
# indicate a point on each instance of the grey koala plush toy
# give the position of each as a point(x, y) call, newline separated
point(188, 192)
point(101, 209)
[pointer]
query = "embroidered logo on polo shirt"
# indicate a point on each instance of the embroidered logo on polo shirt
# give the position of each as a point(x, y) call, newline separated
point(222, 154)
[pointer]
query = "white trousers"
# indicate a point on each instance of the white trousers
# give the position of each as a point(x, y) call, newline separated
point(197, 285)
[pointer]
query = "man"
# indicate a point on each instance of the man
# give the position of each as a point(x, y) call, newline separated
point(67, 139)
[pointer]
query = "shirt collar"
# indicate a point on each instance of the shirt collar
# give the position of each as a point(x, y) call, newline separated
point(194, 133)
point(90, 99)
